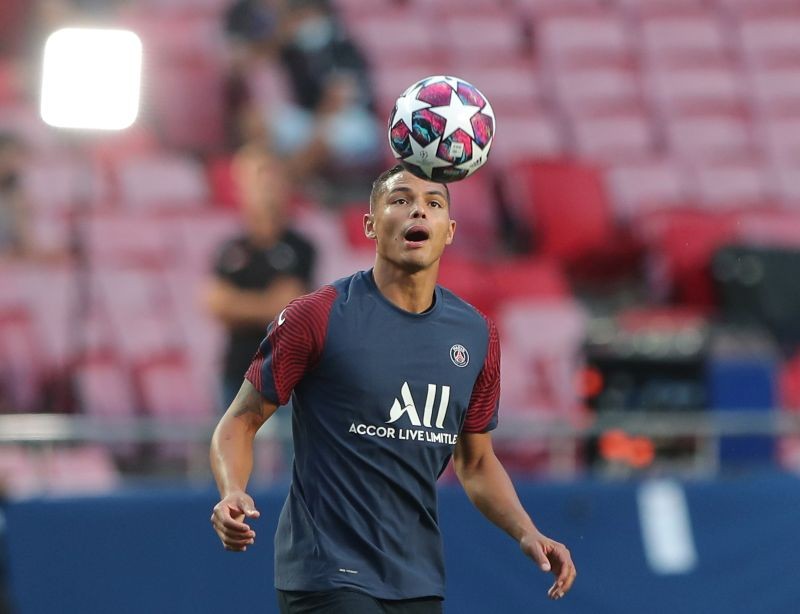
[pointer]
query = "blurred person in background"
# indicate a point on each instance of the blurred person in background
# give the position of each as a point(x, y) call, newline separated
point(359, 532)
point(15, 238)
point(313, 46)
point(258, 273)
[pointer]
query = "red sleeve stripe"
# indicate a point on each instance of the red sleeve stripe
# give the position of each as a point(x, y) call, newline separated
point(483, 404)
point(254, 371)
point(297, 342)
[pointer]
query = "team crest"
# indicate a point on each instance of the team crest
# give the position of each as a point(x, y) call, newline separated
point(459, 355)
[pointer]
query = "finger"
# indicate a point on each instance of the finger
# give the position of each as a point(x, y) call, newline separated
point(229, 524)
point(237, 543)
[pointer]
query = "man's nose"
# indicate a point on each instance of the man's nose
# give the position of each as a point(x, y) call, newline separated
point(417, 210)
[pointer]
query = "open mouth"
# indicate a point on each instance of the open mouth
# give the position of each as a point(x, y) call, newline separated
point(416, 234)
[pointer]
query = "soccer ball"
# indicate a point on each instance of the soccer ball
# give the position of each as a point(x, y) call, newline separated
point(441, 129)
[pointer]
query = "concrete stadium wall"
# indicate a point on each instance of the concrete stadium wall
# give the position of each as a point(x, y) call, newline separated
point(650, 547)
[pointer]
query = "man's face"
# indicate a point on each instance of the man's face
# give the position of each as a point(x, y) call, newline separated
point(411, 222)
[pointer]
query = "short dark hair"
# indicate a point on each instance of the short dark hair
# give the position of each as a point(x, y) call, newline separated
point(379, 185)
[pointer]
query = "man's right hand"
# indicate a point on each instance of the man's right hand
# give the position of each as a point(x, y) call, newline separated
point(228, 521)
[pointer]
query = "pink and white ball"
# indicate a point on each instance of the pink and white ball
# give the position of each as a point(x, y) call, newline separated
point(442, 128)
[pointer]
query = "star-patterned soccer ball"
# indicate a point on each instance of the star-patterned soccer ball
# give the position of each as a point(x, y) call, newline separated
point(441, 128)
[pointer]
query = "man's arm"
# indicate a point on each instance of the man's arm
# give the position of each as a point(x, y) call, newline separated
point(490, 489)
point(236, 307)
point(231, 463)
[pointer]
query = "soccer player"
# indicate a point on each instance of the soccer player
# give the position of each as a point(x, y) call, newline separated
point(390, 375)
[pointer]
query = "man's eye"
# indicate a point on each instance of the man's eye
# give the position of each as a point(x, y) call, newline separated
point(435, 203)
point(399, 201)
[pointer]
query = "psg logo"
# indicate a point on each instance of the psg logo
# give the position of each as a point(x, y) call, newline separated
point(459, 355)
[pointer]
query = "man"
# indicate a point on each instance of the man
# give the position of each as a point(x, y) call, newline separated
point(258, 273)
point(390, 375)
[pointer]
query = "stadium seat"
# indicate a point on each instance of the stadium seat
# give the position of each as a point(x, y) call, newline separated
point(642, 186)
point(477, 213)
point(84, 469)
point(541, 358)
point(697, 87)
point(575, 39)
point(501, 37)
point(469, 279)
point(787, 183)
point(513, 88)
point(617, 137)
point(776, 89)
point(691, 36)
point(772, 37)
point(352, 218)
point(718, 136)
point(567, 207)
point(162, 181)
point(527, 137)
point(733, 184)
point(681, 244)
point(63, 184)
point(20, 471)
point(600, 88)
point(122, 239)
point(104, 389)
point(171, 391)
point(375, 32)
point(770, 228)
point(139, 311)
point(781, 139)
point(21, 374)
point(196, 239)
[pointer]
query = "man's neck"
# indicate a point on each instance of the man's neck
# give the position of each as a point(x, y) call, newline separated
point(411, 292)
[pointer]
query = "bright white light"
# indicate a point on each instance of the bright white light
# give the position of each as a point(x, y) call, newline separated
point(91, 78)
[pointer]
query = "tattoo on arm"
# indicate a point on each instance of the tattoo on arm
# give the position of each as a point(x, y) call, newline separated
point(249, 401)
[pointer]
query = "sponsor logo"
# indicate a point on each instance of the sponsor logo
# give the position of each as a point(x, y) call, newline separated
point(405, 408)
point(282, 317)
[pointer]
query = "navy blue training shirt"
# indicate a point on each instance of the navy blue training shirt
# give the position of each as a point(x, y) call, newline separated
point(380, 396)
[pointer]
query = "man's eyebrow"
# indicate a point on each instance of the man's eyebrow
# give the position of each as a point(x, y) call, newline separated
point(406, 190)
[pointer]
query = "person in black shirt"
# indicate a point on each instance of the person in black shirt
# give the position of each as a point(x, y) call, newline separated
point(256, 274)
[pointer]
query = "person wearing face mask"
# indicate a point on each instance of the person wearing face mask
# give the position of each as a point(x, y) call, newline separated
point(314, 47)
point(391, 377)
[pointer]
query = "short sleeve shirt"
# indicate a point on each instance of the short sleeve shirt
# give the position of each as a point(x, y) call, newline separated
point(380, 397)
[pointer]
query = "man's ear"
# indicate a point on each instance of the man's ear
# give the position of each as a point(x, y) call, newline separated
point(369, 226)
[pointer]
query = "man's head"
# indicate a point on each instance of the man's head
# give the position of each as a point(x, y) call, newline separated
point(263, 189)
point(409, 219)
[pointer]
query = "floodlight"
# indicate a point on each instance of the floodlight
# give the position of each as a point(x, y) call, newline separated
point(91, 78)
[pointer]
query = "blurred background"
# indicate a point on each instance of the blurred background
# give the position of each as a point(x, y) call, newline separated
point(635, 235)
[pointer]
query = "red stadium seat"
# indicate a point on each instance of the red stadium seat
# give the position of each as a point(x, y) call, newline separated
point(771, 228)
point(475, 208)
point(170, 390)
point(375, 34)
point(567, 206)
point(681, 245)
point(469, 279)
